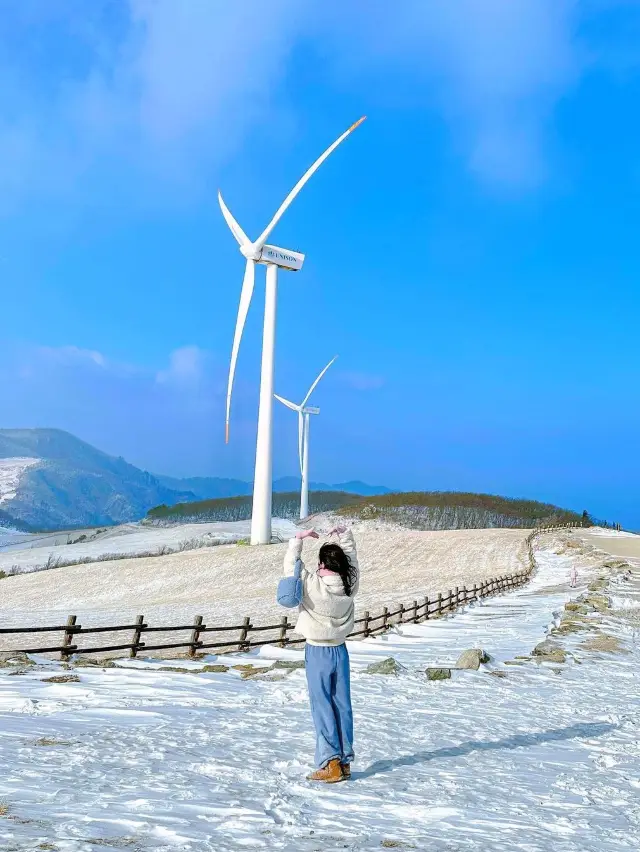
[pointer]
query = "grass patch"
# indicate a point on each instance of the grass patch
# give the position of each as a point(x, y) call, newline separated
point(4, 809)
point(604, 642)
point(50, 741)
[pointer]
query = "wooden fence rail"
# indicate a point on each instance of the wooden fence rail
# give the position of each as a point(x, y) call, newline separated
point(366, 625)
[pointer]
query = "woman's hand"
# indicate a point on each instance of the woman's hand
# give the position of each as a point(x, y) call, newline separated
point(338, 531)
point(307, 534)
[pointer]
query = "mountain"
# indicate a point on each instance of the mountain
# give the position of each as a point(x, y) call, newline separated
point(212, 487)
point(207, 487)
point(49, 479)
point(70, 483)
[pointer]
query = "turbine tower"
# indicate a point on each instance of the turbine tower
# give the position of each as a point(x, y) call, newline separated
point(304, 412)
point(273, 257)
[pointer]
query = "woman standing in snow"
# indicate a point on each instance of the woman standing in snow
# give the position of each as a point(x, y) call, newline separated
point(324, 594)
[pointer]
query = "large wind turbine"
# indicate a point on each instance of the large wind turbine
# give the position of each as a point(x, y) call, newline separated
point(273, 257)
point(304, 412)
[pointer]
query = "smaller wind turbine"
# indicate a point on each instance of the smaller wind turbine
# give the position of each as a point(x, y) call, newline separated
point(304, 412)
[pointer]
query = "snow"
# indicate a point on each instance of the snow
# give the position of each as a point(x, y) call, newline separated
point(606, 533)
point(10, 472)
point(125, 540)
point(544, 758)
point(226, 583)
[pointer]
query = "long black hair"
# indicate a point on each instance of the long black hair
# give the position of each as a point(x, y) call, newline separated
point(333, 557)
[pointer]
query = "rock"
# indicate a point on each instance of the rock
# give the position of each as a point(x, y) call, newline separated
point(549, 652)
point(573, 606)
point(438, 674)
point(472, 658)
point(15, 658)
point(389, 666)
point(598, 602)
point(288, 664)
point(177, 670)
point(72, 678)
point(498, 674)
point(83, 662)
point(214, 669)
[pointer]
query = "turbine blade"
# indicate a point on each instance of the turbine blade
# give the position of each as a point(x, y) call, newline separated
point(235, 229)
point(243, 308)
point(305, 177)
point(314, 385)
point(286, 402)
point(300, 438)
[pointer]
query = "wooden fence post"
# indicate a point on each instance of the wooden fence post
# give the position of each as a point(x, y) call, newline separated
point(244, 631)
point(457, 597)
point(439, 610)
point(415, 612)
point(450, 607)
point(464, 594)
point(284, 624)
point(385, 617)
point(195, 635)
point(137, 633)
point(401, 615)
point(366, 624)
point(68, 638)
point(427, 604)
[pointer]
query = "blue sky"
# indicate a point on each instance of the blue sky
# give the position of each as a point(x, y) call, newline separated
point(471, 249)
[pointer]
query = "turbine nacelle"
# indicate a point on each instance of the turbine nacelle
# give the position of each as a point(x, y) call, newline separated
point(304, 409)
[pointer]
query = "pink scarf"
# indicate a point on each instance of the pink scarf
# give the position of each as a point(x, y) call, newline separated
point(326, 572)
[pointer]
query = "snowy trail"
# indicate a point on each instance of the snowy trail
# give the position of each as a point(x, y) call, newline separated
point(546, 757)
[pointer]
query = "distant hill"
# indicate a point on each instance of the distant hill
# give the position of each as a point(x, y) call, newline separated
point(416, 510)
point(285, 505)
point(446, 510)
point(49, 479)
point(74, 484)
point(211, 487)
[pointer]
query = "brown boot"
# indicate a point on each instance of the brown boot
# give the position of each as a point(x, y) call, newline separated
point(346, 771)
point(331, 774)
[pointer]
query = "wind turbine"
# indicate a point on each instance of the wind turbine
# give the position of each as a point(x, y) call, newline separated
point(273, 257)
point(304, 412)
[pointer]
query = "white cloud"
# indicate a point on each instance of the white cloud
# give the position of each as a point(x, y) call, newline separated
point(157, 92)
point(186, 366)
point(494, 68)
point(72, 356)
point(162, 88)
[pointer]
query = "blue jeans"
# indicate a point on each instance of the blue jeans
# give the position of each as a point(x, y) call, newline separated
point(328, 678)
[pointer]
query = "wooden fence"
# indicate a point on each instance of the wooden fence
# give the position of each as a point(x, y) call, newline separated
point(202, 637)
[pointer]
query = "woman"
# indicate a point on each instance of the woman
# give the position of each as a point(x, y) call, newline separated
point(325, 598)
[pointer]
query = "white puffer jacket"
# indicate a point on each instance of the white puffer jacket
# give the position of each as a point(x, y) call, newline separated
point(326, 614)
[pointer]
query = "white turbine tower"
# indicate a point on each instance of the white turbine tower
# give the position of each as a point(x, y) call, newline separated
point(304, 412)
point(273, 257)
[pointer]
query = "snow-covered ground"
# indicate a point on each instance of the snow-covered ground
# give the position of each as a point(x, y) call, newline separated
point(530, 757)
point(226, 583)
point(31, 553)
point(10, 472)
